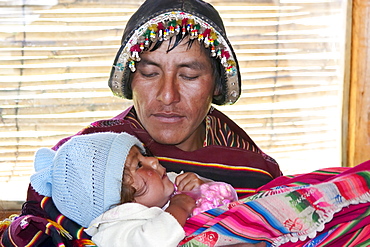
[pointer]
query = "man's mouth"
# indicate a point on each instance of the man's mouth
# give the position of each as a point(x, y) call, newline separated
point(168, 117)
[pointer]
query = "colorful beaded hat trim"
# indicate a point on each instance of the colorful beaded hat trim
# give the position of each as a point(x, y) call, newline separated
point(165, 26)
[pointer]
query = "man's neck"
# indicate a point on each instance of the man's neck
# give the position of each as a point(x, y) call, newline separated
point(195, 141)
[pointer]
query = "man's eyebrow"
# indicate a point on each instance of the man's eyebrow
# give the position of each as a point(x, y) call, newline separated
point(145, 61)
point(192, 65)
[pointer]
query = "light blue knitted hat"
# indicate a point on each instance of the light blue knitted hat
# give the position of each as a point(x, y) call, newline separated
point(84, 176)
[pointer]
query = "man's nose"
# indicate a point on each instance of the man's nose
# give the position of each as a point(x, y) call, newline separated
point(168, 91)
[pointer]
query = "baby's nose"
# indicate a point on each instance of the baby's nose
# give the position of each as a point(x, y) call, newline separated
point(154, 163)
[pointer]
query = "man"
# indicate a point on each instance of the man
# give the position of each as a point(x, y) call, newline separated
point(174, 62)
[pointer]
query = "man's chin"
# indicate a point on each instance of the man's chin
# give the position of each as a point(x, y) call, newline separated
point(167, 141)
point(169, 138)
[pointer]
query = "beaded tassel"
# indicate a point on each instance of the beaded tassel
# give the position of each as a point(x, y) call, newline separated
point(153, 29)
point(195, 31)
point(183, 29)
point(160, 31)
point(135, 53)
point(224, 58)
point(131, 65)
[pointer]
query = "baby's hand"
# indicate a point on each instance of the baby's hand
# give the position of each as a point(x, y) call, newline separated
point(181, 207)
point(183, 201)
point(188, 181)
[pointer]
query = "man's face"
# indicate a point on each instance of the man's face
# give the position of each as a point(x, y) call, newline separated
point(172, 93)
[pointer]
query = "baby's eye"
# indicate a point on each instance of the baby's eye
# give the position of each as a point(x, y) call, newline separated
point(139, 165)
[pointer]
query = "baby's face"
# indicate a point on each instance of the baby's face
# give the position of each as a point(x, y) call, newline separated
point(150, 177)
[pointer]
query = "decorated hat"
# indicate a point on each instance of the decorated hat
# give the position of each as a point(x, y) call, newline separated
point(84, 177)
point(160, 20)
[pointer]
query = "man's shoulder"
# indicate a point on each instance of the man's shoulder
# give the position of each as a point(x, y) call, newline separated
point(224, 119)
point(123, 122)
point(228, 132)
point(127, 117)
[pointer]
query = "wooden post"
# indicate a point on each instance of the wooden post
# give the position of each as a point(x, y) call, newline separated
point(359, 101)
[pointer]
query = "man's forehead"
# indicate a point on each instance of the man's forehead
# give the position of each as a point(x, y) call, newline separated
point(179, 58)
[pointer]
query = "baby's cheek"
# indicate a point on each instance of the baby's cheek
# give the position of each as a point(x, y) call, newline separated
point(150, 173)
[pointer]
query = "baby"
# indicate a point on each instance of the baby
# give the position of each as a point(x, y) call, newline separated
point(104, 182)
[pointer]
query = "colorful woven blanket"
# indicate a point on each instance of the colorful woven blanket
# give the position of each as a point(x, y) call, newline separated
point(329, 207)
